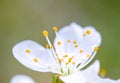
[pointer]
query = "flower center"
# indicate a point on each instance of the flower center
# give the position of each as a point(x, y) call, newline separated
point(70, 61)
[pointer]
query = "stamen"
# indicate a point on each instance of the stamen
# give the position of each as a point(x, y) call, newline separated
point(75, 42)
point(55, 29)
point(81, 51)
point(51, 47)
point(69, 60)
point(68, 41)
point(96, 48)
point(56, 54)
point(67, 63)
point(73, 63)
point(60, 60)
point(59, 43)
point(88, 31)
point(76, 46)
point(28, 51)
point(87, 61)
point(35, 60)
point(45, 33)
point(65, 56)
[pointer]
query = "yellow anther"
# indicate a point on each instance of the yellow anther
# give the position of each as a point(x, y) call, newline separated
point(88, 55)
point(55, 29)
point(51, 47)
point(81, 51)
point(69, 60)
point(68, 41)
point(88, 31)
point(65, 56)
point(102, 72)
point(28, 51)
point(67, 63)
point(35, 60)
point(56, 54)
point(73, 63)
point(58, 42)
point(45, 33)
point(76, 46)
point(60, 60)
point(75, 42)
point(47, 46)
point(96, 48)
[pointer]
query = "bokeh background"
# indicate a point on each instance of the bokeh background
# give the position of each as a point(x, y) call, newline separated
point(26, 19)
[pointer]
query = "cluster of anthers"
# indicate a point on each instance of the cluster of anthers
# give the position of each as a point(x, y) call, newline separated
point(67, 59)
point(73, 48)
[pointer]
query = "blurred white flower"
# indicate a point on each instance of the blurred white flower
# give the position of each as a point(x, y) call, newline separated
point(21, 79)
point(89, 75)
point(74, 47)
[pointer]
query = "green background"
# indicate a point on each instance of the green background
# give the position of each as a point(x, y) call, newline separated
point(26, 19)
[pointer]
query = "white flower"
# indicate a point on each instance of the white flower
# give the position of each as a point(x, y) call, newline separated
point(21, 79)
point(73, 48)
point(89, 75)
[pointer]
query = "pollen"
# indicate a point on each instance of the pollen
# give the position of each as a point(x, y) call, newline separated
point(68, 41)
point(73, 63)
point(45, 33)
point(96, 48)
point(35, 60)
point(27, 51)
point(88, 31)
point(81, 51)
point(59, 43)
point(55, 29)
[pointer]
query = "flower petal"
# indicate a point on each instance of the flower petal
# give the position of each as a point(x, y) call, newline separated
point(67, 35)
point(92, 69)
point(74, 40)
point(90, 75)
point(21, 79)
point(73, 78)
point(33, 56)
point(91, 40)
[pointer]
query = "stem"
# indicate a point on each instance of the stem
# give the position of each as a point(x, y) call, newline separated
point(55, 79)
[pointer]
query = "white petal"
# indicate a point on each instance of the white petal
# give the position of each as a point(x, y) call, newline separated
point(86, 43)
point(33, 56)
point(90, 75)
point(73, 78)
point(90, 40)
point(21, 79)
point(71, 32)
point(92, 69)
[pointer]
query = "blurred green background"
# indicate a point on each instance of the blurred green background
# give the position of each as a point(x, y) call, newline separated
point(26, 19)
